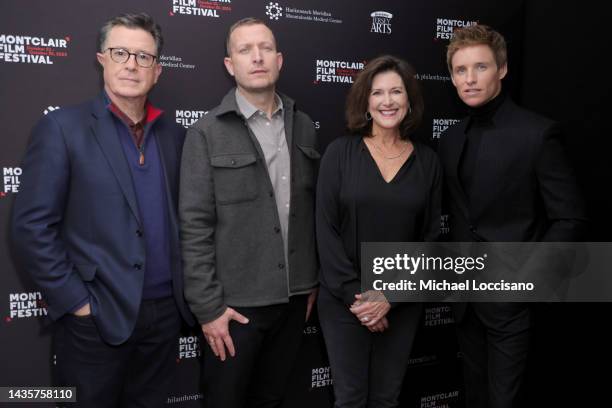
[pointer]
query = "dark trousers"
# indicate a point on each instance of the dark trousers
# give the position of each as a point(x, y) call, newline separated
point(494, 342)
point(137, 373)
point(367, 368)
point(266, 349)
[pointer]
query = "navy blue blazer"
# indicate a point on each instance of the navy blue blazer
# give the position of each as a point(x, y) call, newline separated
point(76, 224)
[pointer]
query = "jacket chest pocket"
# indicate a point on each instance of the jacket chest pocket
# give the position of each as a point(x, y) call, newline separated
point(308, 166)
point(235, 177)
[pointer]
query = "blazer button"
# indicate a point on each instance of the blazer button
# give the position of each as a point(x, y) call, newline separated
point(139, 233)
point(472, 228)
point(276, 229)
point(281, 266)
point(138, 266)
point(271, 193)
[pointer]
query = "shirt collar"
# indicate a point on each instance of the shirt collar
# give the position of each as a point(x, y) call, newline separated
point(151, 113)
point(248, 110)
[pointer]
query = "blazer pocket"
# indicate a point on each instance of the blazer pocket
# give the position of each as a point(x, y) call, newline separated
point(87, 272)
point(235, 177)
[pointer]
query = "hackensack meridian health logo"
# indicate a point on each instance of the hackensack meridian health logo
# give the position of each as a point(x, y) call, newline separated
point(381, 22)
point(29, 49)
point(201, 8)
point(275, 11)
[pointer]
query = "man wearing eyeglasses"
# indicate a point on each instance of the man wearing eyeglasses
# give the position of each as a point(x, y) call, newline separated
point(95, 225)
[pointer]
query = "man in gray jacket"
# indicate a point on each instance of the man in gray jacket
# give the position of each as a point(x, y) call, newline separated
point(247, 226)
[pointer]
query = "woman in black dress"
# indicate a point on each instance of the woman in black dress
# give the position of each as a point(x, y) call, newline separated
point(376, 185)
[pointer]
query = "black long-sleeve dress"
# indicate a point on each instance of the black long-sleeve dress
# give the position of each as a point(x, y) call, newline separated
point(354, 205)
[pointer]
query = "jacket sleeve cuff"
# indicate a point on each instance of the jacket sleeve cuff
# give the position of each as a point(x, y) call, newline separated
point(349, 290)
point(62, 300)
point(79, 305)
point(208, 314)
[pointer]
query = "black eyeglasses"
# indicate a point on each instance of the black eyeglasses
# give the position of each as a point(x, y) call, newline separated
point(121, 56)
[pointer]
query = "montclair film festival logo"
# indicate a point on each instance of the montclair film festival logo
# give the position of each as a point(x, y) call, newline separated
point(337, 71)
point(439, 125)
point(446, 26)
point(189, 347)
point(321, 377)
point(10, 180)
point(26, 49)
point(381, 22)
point(26, 304)
point(187, 117)
point(440, 315)
point(200, 8)
point(440, 400)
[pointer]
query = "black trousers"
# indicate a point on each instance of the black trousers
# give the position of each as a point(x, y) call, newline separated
point(266, 350)
point(137, 373)
point(494, 342)
point(367, 368)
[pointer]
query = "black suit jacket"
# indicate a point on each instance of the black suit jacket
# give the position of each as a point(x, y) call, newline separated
point(523, 188)
point(76, 222)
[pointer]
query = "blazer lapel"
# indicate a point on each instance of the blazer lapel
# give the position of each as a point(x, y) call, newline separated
point(457, 145)
point(168, 155)
point(105, 132)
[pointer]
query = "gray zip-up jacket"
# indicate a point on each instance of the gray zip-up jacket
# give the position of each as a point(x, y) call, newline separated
point(230, 232)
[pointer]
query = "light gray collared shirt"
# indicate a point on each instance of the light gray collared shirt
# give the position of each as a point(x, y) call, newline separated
point(270, 133)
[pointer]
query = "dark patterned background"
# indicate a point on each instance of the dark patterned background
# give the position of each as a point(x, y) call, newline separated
point(555, 65)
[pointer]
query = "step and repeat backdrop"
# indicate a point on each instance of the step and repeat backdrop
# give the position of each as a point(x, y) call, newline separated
point(47, 61)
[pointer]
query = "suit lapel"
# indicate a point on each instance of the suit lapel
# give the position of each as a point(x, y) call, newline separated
point(457, 144)
point(105, 132)
point(169, 156)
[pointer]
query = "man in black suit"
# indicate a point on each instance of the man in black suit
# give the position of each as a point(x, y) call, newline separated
point(506, 180)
